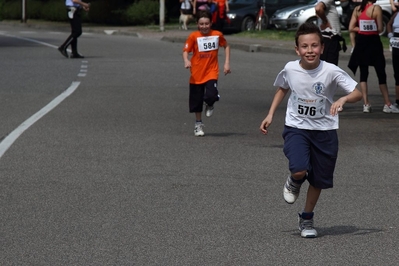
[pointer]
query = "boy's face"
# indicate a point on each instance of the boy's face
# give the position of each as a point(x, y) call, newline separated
point(204, 25)
point(309, 49)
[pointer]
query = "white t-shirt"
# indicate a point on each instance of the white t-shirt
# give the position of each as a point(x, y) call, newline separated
point(312, 93)
point(186, 5)
point(71, 3)
point(332, 16)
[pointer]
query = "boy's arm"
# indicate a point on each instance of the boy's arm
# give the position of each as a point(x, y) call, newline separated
point(187, 62)
point(278, 97)
point(352, 97)
point(226, 68)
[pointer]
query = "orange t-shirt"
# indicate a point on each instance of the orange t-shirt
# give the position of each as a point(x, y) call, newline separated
point(204, 61)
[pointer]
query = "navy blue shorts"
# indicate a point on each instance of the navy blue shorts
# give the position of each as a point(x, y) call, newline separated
point(200, 93)
point(315, 151)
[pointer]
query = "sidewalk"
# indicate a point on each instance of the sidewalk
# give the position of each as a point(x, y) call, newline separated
point(174, 34)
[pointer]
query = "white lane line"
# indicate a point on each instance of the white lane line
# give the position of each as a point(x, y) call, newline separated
point(13, 136)
point(31, 40)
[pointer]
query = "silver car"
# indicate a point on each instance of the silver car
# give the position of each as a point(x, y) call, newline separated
point(291, 18)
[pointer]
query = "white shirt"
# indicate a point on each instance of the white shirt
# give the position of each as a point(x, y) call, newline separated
point(185, 5)
point(395, 24)
point(71, 3)
point(332, 16)
point(312, 93)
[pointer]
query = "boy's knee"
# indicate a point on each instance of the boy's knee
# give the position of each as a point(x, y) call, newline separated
point(299, 175)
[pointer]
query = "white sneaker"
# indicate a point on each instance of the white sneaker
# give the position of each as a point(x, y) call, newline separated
point(209, 110)
point(306, 227)
point(392, 109)
point(366, 108)
point(198, 129)
point(291, 191)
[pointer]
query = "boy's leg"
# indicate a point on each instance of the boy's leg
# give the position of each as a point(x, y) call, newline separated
point(323, 157)
point(196, 97)
point(311, 198)
point(296, 149)
point(211, 96)
point(211, 92)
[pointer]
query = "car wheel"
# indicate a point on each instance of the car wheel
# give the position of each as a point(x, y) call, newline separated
point(247, 24)
point(265, 22)
point(312, 20)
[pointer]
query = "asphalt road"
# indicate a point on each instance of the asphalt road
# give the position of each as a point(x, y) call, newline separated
point(113, 175)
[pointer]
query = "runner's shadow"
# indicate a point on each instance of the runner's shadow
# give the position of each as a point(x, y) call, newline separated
point(223, 134)
point(345, 229)
point(341, 230)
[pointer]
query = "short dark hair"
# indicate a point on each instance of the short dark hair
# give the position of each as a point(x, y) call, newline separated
point(203, 14)
point(308, 28)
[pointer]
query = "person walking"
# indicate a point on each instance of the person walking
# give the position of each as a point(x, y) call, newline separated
point(204, 45)
point(366, 21)
point(74, 8)
point(393, 35)
point(330, 27)
point(311, 121)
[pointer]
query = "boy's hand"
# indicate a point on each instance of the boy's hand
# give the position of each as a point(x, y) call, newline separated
point(187, 64)
point(265, 124)
point(226, 69)
point(337, 106)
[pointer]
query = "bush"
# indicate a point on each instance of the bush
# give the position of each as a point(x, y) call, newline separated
point(1, 9)
point(143, 12)
point(11, 10)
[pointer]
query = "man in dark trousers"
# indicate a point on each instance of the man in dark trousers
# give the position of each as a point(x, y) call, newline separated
point(331, 30)
point(74, 8)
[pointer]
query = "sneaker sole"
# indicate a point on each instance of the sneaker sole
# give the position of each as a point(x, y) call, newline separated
point(308, 236)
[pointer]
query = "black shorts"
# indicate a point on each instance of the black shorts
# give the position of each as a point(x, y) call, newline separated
point(200, 93)
point(332, 47)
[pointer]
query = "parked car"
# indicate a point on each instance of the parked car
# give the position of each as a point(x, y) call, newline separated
point(242, 13)
point(290, 18)
point(348, 7)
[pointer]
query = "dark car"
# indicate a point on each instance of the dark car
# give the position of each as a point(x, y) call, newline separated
point(242, 13)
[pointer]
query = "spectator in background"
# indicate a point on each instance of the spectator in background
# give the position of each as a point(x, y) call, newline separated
point(366, 21)
point(201, 5)
point(219, 14)
point(394, 5)
point(186, 7)
point(74, 8)
point(393, 35)
point(331, 30)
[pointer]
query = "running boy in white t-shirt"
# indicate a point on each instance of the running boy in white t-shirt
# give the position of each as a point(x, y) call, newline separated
point(311, 121)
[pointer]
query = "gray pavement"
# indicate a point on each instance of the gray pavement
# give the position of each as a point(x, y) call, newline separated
point(114, 175)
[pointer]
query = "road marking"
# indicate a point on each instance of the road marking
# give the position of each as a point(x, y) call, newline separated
point(13, 136)
point(6, 143)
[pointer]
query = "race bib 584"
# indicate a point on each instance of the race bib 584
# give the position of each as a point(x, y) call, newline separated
point(208, 43)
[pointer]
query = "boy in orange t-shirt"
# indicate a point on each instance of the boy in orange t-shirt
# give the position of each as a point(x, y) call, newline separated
point(204, 45)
